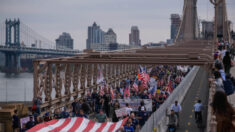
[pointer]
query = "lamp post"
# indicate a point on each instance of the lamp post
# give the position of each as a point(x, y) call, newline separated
point(215, 3)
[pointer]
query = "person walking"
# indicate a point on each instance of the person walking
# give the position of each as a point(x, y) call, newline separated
point(176, 108)
point(15, 122)
point(198, 111)
point(227, 62)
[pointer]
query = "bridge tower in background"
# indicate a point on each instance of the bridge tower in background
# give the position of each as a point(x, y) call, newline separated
point(12, 63)
point(223, 25)
point(189, 27)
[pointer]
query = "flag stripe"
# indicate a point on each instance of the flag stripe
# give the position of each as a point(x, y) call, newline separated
point(51, 127)
point(71, 123)
point(42, 125)
point(89, 126)
point(119, 124)
point(83, 125)
point(66, 122)
point(101, 127)
point(95, 127)
point(76, 124)
point(106, 128)
point(111, 128)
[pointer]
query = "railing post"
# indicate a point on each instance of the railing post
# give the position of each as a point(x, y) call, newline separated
point(58, 86)
point(36, 80)
point(89, 75)
point(95, 75)
point(48, 87)
point(75, 80)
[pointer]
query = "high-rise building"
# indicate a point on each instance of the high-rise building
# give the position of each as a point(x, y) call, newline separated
point(175, 25)
point(110, 37)
point(134, 36)
point(64, 41)
point(95, 36)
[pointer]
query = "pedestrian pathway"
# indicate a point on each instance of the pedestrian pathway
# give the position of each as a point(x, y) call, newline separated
point(198, 90)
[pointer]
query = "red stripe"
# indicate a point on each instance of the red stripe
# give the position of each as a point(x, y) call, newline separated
point(89, 126)
point(123, 122)
point(42, 125)
point(76, 124)
point(112, 127)
point(57, 129)
point(101, 127)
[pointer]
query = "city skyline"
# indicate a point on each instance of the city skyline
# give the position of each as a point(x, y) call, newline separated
point(50, 18)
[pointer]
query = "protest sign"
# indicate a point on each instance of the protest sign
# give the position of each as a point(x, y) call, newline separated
point(121, 112)
point(135, 103)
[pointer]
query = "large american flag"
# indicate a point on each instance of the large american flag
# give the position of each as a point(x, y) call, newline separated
point(77, 124)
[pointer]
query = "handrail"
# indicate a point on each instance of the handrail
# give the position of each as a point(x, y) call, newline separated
point(211, 122)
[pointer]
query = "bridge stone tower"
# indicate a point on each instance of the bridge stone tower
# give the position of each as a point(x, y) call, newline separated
point(189, 28)
point(12, 63)
point(223, 29)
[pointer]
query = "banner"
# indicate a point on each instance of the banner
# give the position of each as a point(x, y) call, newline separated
point(135, 103)
point(121, 112)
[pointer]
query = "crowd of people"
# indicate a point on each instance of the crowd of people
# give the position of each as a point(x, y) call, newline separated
point(225, 114)
point(100, 104)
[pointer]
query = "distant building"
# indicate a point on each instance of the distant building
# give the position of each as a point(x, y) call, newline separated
point(64, 41)
point(112, 46)
point(175, 25)
point(110, 37)
point(95, 36)
point(134, 36)
point(207, 30)
point(151, 44)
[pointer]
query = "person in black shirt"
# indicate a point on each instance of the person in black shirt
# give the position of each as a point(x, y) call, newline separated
point(95, 98)
point(107, 99)
point(15, 122)
point(30, 123)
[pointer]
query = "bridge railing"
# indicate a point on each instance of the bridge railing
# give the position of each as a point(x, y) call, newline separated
point(158, 119)
point(211, 119)
point(59, 84)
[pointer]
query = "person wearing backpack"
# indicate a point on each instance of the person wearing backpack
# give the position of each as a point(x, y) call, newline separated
point(228, 86)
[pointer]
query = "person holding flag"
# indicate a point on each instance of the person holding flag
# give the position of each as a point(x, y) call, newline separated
point(135, 85)
point(127, 90)
point(111, 91)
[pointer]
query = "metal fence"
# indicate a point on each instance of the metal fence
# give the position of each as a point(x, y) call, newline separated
point(158, 119)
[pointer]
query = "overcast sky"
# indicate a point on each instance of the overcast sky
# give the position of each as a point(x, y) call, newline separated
point(52, 17)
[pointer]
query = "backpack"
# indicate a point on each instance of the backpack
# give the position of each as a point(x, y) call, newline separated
point(228, 87)
point(34, 107)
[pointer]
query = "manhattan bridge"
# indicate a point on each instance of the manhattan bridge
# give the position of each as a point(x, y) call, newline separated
point(17, 38)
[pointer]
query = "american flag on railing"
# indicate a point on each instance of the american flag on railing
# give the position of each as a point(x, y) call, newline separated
point(77, 124)
point(127, 90)
point(111, 91)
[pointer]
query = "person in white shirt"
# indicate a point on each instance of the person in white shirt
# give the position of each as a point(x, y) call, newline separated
point(128, 109)
point(176, 108)
point(198, 110)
